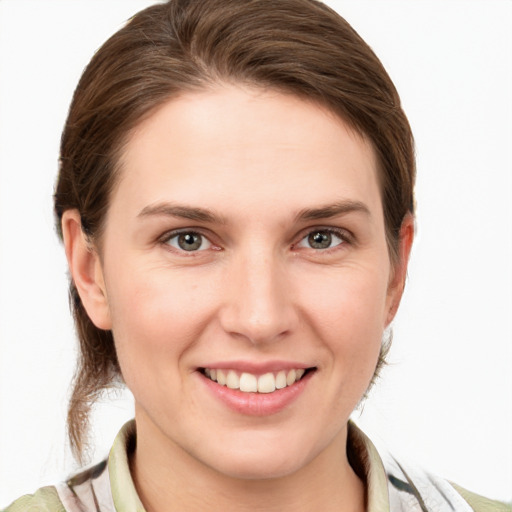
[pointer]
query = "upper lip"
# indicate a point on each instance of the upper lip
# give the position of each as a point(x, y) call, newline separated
point(256, 367)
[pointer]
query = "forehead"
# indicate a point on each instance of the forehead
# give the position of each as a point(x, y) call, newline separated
point(245, 146)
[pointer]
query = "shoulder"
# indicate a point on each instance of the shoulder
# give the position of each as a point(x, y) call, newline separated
point(401, 487)
point(45, 499)
point(408, 483)
point(88, 490)
point(91, 489)
point(479, 503)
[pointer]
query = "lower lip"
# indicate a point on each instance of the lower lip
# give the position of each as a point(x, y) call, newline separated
point(257, 404)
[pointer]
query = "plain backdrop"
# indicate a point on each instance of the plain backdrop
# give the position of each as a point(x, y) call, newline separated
point(445, 401)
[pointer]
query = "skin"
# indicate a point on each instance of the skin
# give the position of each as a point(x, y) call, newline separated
point(255, 291)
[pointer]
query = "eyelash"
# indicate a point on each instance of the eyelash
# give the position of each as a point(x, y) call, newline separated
point(167, 237)
point(344, 237)
point(341, 234)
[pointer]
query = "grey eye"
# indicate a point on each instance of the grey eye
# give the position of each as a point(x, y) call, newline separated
point(189, 241)
point(321, 239)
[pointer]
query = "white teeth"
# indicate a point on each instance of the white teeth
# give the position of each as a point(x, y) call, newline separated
point(281, 379)
point(221, 377)
point(266, 383)
point(249, 383)
point(232, 380)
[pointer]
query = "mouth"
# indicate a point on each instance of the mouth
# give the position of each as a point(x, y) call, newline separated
point(251, 383)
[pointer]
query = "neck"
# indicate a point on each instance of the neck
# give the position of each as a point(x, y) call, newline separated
point(169, 479)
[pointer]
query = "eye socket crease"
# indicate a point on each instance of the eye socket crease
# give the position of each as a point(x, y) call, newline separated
point(327, 234)
point(200, 242)
point(171, 240)
point(207, 216)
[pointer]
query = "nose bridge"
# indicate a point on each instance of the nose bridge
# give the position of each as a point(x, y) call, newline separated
point(258, 305)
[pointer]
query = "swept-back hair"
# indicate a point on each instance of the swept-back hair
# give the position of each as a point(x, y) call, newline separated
point(300, 47)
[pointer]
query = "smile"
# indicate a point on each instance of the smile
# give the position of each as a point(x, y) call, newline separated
point(250, 383)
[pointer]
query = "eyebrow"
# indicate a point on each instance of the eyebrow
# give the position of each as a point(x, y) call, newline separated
point(204, 215)
point(332, 210)
point(182, 212)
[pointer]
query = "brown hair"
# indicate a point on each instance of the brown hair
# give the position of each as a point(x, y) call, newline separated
point(296, 46)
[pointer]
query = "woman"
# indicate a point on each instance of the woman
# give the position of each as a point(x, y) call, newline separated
point(235, 199)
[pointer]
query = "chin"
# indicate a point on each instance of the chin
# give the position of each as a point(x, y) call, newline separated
point(261, 458)
point(276, 465)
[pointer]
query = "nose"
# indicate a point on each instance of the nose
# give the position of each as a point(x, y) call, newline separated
point(258, 303)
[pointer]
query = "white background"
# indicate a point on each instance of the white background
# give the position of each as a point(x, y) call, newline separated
point(446, 399)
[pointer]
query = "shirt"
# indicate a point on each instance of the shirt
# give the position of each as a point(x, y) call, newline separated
point(390, 485)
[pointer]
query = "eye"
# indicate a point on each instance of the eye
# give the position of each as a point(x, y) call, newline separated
point(188, 241)
point(321, 239)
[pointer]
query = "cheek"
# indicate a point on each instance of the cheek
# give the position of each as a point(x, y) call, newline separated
point(348, 310)
point(156, 318)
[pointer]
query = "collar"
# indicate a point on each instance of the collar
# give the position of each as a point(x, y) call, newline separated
point(123, 489)
point(362, 454)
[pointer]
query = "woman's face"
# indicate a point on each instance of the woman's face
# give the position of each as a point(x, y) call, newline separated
point(245, 242)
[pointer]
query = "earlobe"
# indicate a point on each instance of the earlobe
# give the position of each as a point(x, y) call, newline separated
point(86, 270)
point(397, 284)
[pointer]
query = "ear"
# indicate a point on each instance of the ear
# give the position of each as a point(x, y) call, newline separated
point(86, 270)
point(399, 271)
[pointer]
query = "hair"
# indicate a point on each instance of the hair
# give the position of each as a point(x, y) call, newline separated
point(301, 47)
